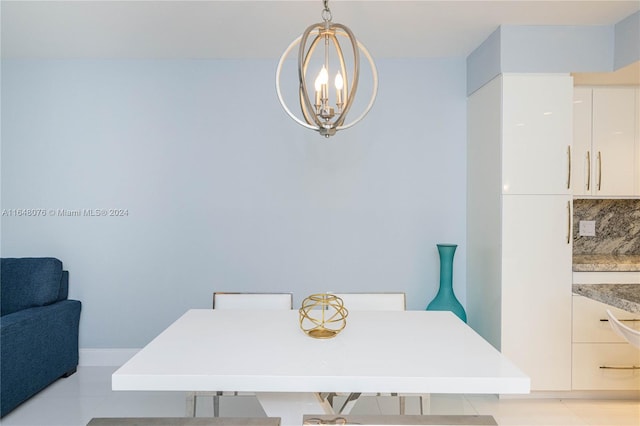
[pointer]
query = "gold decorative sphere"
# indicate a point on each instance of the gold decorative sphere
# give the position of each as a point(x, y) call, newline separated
point(323, 316)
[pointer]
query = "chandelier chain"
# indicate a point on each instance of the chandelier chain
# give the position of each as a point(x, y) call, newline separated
point(326, 12)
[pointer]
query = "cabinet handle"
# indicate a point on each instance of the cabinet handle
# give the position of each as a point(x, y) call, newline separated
point(569, 168)
point(568, 222)
point(588, 170)
point(599, 170)
point(627, 320)
point(632, 367)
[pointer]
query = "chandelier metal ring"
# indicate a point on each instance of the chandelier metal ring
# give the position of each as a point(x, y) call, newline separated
point(279, 91)
point(327, 33)
point(321, 115)
point(374, 92)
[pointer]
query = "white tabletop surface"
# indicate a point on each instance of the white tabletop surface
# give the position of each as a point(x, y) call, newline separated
point(266, 351)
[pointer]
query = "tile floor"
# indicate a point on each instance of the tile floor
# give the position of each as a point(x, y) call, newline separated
point(87, 394)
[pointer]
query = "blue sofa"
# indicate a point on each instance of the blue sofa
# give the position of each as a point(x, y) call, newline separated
point(38, 328)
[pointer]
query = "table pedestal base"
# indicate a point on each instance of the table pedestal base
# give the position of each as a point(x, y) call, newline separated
point(291, 406)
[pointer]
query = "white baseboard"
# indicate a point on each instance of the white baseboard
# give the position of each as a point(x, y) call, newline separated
point(105, 357)
point(576, 394)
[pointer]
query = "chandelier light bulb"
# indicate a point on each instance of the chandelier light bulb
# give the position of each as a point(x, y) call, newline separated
point(318, 83)
point(339, 82)
point(324, 90)
point(323, 76)
point(318, 87)
point(339, 86)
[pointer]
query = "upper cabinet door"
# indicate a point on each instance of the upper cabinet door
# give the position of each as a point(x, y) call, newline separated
point(614, 139)
point(582, 153)
point(537, 133)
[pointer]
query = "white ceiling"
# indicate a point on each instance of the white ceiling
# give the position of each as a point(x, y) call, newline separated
point(263, 28)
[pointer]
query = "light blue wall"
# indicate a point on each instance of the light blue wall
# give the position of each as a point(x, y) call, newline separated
point(554, 49)
point(483, 64)
point(627, 35)
point(223, 191)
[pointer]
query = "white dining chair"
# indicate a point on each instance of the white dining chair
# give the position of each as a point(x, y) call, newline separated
point(375, 302)
point(627, 333)
point(252, 301)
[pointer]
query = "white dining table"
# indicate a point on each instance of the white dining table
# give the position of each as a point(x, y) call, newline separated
point(266, 352)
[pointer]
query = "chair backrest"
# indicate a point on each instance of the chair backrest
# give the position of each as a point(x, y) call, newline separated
point(373, 301)
point(629, 334)
point(252, 300)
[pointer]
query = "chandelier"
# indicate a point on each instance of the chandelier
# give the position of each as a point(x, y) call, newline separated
point(328, 112)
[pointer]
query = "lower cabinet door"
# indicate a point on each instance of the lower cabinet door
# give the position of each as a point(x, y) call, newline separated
point(536, 288)
point(605, 366)
point(590, 323)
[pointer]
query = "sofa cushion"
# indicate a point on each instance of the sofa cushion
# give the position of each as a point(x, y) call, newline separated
point(28, 282)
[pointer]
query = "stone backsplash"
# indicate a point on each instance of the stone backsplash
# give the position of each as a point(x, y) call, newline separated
point(617, 226)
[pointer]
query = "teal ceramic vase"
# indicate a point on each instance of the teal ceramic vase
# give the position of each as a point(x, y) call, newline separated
point(446, 300)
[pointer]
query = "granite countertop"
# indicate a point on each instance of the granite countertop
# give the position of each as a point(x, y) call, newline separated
point(623, 296)
point(606, 262)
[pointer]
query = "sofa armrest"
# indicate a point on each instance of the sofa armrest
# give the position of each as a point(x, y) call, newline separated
point(39, 345)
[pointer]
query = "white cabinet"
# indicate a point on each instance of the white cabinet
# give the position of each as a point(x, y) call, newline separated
point(582, 141)
point(536, 141)
point(606, 143)
point(605, 366)
point(602, 360)
point(519, 221)
point(536, 277)
point(591, 325)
